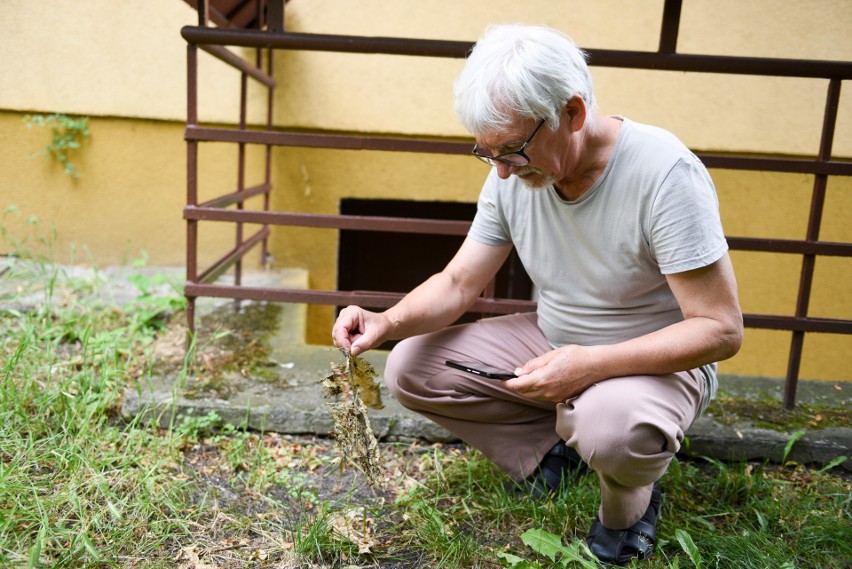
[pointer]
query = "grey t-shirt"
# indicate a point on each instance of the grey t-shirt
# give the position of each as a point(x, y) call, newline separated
point(599, 263)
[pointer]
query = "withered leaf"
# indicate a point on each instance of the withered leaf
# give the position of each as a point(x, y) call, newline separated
point(354, 385)
point(364, 379)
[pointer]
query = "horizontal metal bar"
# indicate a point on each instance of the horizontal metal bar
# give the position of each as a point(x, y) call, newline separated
point(453, 227)
point(345, 142)
point(790, 165)
point(340, 298)
point(459, 49)
point(790, 246)
point(227, 261)
point(238, 62)
point(362, 222)
point(228, 199)
point(484, 305)
point(326, 42)
point(724, 64)
point(352, 142)
point(798, 324)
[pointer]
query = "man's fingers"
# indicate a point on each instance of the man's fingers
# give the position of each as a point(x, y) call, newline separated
point(348, 326)
point(351, 332)
point(533, 364)
point(522, 384)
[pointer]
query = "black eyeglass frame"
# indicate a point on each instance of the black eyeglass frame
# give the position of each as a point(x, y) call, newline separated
point(492, 160)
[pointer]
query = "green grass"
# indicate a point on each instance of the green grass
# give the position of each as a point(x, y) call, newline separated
point(81, 488)
point(74, 486)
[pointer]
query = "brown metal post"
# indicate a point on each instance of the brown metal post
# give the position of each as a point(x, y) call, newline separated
point(191, 188)
point(275, 22)
point(275, 15)
point(241, 175)
point(265, 257)
point(809, 260)
point(671, 26)
point(203, 12)
point(260, 7)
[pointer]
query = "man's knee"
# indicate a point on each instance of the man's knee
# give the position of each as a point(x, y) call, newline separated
point(635, 457)
point(405, 368)
point(624, 442)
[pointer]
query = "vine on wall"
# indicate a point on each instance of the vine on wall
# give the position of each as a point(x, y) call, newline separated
point(67, 134)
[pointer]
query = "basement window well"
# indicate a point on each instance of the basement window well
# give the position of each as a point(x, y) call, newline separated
point(398, 262)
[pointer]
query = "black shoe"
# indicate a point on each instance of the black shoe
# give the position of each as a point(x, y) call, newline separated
point(559, 464)
point(619, 547)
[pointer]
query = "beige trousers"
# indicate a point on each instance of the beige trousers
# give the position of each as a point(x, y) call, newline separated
point(627, 428)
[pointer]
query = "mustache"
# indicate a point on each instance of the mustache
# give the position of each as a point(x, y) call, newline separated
point(528, 170)
point(545, 182)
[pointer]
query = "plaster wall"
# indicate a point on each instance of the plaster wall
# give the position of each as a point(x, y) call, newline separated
point(106, 58)
point(127, 203)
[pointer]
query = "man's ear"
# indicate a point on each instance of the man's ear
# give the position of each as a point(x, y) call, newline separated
point(575, 109)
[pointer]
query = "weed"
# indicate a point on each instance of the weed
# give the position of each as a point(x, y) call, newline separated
point(550, 545)
point(74, 486)
point(192, 428)
point(688, 545)
point(315, 540)
point(788, 448)
point(66, 135)
point(151, 308)
point(33, 243)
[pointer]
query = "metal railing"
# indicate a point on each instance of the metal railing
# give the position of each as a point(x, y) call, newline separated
point(214, 40)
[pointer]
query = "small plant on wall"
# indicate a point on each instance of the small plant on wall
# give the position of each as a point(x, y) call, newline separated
point(67, 134)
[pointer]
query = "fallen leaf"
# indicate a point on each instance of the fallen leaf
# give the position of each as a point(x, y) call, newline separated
point(188, 558)
point(357, 528)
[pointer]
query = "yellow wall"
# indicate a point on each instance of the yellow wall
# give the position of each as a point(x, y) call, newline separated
point(107, 58)
point(761, 114)
point(123, 64)
point(130, 194)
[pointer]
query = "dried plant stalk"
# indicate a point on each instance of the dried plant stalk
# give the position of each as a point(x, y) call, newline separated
point(354, 385)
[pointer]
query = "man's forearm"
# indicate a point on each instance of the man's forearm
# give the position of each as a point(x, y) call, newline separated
point(435, 304)
point(442, 298)
point(712, 329)
point(682, 346)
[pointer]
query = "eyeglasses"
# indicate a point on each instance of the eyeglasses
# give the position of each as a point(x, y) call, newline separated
point(513, 158)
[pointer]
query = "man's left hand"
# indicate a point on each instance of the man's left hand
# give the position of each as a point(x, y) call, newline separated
point(557, 375)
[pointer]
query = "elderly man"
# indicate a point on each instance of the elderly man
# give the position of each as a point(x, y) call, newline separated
point(617, 224)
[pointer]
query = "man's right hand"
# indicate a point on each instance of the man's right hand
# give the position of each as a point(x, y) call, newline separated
point(357, 330)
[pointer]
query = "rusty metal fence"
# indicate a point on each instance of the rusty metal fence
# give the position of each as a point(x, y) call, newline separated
point(272, 37)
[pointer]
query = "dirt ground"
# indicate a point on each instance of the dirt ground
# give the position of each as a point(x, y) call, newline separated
point(251, 525)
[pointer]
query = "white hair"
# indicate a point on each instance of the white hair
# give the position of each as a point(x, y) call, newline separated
point(520, 70)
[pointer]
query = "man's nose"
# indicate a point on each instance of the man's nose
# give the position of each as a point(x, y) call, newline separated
point(504, 170)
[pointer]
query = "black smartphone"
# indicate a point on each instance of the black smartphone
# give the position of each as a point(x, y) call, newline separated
point(482, 371)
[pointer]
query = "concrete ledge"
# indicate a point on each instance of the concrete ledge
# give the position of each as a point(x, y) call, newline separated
point(294, 404)
point(743, 441)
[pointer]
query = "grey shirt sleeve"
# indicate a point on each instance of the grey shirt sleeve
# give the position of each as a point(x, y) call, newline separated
point(489, 225)
point(685, 228)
